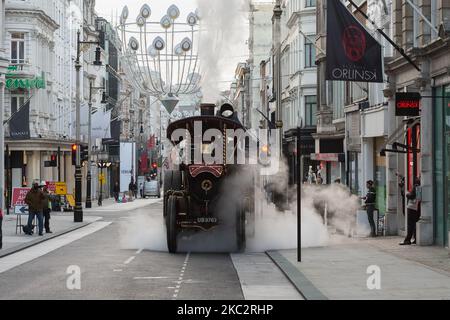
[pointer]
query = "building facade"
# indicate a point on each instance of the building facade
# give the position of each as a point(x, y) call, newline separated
point(39, 38)
point(423, 33)
point(260, 44)
point(298, 83)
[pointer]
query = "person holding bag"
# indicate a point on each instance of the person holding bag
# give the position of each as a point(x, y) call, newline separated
point(413, 211)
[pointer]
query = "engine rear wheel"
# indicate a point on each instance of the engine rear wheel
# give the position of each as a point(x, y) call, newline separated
point(172, 181)
point(171, 224)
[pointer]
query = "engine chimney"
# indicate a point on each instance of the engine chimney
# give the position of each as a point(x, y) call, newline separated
point(207, 109)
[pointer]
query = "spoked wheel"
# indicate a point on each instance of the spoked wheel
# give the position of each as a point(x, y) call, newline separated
point(240, 229)
point(172, 181)
point(171, 224)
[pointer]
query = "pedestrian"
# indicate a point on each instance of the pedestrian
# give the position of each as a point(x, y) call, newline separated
point(116, 191)
point(46, 209)
point(141, 188)
point(413, 212)
point(135, 190)
point(319, 175)
point(35, 199)
point(130, 188)
point(370, 200)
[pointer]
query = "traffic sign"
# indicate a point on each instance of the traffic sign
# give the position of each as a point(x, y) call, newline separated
point(21, 209)
point(70, 200)
point(60, 188)
point(18, 196)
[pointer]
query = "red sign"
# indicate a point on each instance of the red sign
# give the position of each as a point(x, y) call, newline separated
point(151, 142)
point(144, 163)
point(18, 196)
point(407, 104)
point(327, 157)
point(51, 187)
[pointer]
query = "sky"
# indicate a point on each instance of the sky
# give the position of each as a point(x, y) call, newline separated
point(110, 9)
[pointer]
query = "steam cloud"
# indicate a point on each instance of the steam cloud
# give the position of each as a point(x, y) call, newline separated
point(223, 33)
point(273, 229)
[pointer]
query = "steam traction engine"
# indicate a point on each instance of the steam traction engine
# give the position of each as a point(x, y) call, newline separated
point(196, 198)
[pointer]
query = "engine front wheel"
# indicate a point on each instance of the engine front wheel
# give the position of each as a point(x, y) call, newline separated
point(171, 224)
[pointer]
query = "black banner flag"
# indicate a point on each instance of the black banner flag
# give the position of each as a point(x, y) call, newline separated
point(352, 53)
point(19, 124)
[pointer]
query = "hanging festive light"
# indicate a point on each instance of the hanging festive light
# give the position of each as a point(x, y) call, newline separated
point(162, 63)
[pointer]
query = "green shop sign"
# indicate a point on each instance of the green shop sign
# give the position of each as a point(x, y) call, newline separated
point(13, 83)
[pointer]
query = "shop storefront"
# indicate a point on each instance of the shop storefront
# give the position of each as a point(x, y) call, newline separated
point(290, 153)
point(442, 164)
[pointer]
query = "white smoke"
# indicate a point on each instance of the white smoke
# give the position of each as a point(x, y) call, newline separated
point(224, 32)
point(143, 231)
point(324, 208)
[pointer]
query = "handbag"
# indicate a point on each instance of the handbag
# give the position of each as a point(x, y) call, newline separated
point(412, 204)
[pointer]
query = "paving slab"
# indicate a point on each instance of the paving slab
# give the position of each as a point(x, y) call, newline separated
point(343, 272)
point(261, 279)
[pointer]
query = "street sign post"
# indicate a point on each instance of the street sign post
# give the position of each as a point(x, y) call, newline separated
point(21, 209)
point(18, 196)
point(60, 188)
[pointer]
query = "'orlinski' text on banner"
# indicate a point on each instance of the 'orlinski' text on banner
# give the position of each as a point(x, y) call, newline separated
point(352, 53)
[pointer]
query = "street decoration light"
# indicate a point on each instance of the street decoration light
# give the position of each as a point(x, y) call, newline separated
point(161, 55)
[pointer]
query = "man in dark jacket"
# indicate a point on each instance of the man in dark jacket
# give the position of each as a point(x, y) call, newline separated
point(116, 191)
point(370, 200)
point(35, 200)
point(46, 209)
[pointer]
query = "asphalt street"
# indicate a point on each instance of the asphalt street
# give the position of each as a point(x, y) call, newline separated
point(107, 271)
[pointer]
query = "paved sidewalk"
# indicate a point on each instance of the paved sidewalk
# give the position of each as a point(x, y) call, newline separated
point(110, 205)
point(340, 271)
point(261, 279)
point(60, 223)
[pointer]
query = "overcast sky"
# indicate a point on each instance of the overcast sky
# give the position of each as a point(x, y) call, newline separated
point(111, 9)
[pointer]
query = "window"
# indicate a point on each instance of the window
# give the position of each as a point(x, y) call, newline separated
point(16, 102)
point(17, 48)
point(310, 53)
point(310, 110)
point(310, 3)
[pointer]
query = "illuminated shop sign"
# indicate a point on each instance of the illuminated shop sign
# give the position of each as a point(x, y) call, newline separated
point(407, 104)
point(14, 83)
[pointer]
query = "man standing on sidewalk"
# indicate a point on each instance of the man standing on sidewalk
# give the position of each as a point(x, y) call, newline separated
point(370, 199)
point(47, 209)
point(35, 201)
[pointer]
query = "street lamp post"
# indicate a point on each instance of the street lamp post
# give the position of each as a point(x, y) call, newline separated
point(78, 210)
point(102, 163)
point(89, 174)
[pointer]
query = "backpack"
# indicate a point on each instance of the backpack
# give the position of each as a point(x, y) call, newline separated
point(27, 230)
